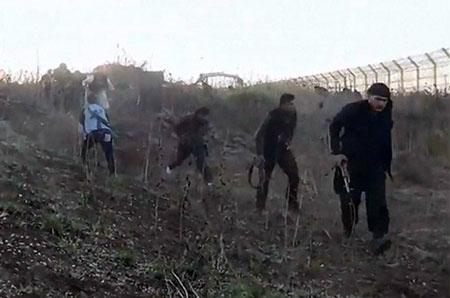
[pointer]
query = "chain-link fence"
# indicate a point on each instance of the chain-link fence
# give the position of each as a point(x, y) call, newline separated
point(427, 72)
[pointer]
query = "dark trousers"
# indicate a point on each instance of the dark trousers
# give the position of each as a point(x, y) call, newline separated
point(199, 150)
point(376, 207)
point(46, 93)
point(99, 137)
point(287, 163)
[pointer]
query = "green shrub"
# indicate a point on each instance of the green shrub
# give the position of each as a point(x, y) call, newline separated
point(126, 257)
point(53, 224)
point(155, 270)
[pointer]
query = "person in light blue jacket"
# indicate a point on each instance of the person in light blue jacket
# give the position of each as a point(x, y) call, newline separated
point(96, 129)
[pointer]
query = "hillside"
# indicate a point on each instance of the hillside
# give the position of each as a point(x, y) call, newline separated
point(146, 234)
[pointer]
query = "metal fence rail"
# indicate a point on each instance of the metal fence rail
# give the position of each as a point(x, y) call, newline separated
point(430, 71)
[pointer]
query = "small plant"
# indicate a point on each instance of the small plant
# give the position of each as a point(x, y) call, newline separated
point(10, 207)
point(155, 270)
point(53, 224)
point(102, 227)
point(78, 227)
point(315, 266)
point(256, 266)
point(126, 257)
point(68, 245)
point(243, 288)
point(86, 198)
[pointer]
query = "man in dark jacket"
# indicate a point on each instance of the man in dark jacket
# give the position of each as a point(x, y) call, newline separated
point(46, 86)
point(191, 131)
point(62, 77)
point(273, 140)
point(365, 147)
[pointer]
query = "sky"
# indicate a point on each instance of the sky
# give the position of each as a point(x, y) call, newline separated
point(256, 39)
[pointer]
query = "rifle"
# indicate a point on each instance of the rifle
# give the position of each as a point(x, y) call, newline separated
point(261, 174)
point(343, 168)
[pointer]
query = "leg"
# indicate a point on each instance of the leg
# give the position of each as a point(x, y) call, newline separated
point(108, 150)
point(263, 190)
point(287, 162)
point(349, 208)
point(183, 151)
point(200, 156)
point(377, 212)
point(87, 144)
point(57, 99)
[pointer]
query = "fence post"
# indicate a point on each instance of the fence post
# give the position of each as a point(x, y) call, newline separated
point(326, 80)
point(345, 79)
point(446, 52)
point(388, 73)
point(417, 72)
point(402, 83)
point(375, 72)
point(309, 81)
point(353, 76)
point(335, 81)
point(434, 69)
point(365, 77)
point(304, 81)
point(317, 80)
point(448, 56)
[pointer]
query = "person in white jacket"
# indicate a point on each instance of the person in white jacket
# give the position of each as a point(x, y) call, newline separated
point(96, 129)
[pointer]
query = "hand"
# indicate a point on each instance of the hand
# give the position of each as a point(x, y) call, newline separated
point(80, 129)
point(259, 159)
point(339, 160)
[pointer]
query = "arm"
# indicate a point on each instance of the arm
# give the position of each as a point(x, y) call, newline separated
point(292, 128)
point(81, 123)
point(286, 136)
point(81, 118)
point(259, 136)
point(180, 127)
point(106, 116)
point(204, 128)
point(389, 147)
point(336, 127)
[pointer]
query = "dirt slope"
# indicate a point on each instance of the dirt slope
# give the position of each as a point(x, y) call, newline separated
point(63, 236)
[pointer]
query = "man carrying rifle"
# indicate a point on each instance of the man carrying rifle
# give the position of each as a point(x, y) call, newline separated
point(191, 131)
point(273, 140)
point(360, 139)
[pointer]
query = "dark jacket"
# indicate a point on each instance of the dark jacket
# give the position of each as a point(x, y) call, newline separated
point(192, 129)
point(363, 136)
point(276, 130)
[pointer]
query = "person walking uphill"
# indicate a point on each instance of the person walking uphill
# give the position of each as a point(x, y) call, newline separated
point(273, 140)
point(191, 131)
point(97, 85)
point(96, 128)
point(365, 147)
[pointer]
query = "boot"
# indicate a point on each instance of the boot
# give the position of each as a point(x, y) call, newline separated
point(293, 207)
point(380, 245)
